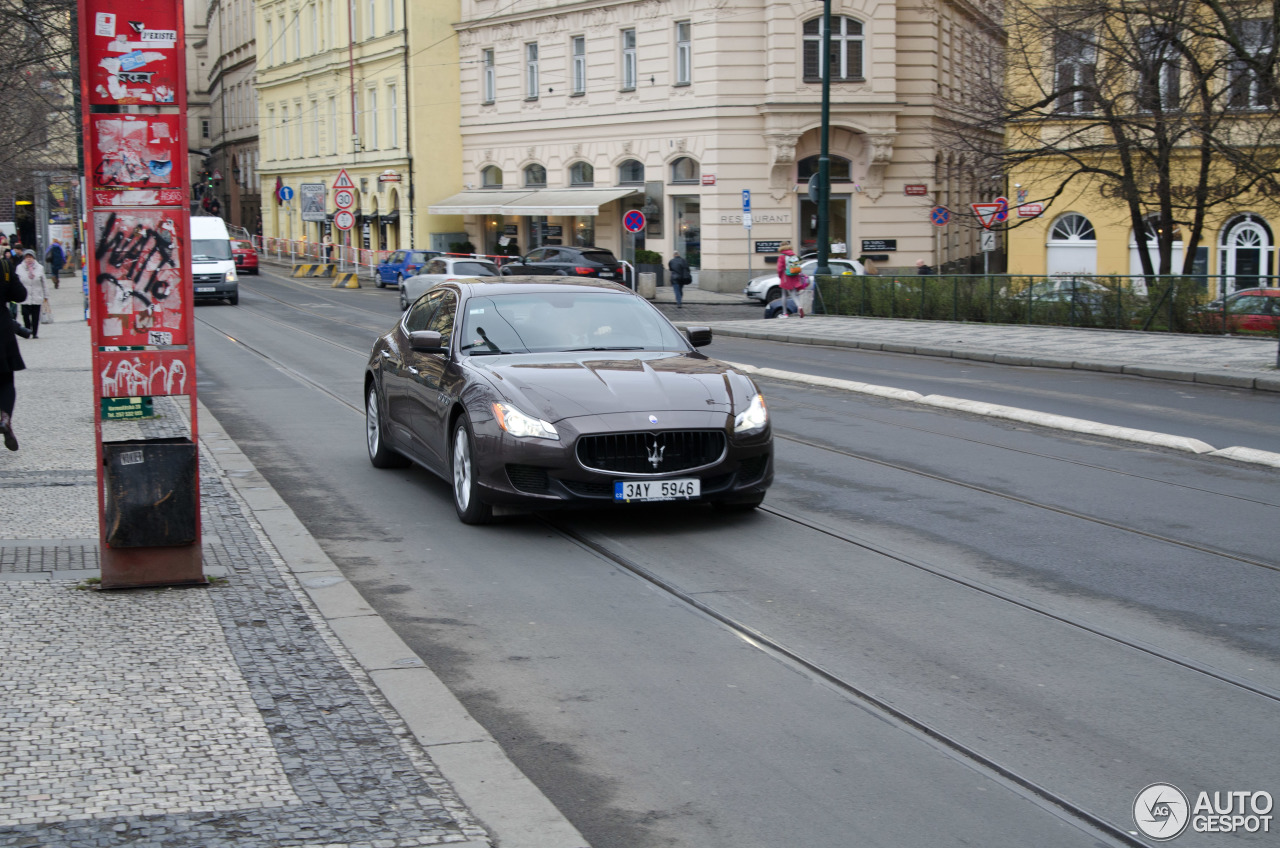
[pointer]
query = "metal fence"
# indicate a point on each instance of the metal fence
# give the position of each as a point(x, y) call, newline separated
point(1173, 304)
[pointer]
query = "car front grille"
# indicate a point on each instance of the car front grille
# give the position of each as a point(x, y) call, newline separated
point(206, 279)
point(589, 488)
point(651, 453)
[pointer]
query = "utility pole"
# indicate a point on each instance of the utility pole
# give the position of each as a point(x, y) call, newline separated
point(824, 161)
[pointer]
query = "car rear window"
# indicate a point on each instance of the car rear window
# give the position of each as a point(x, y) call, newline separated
point(475, 269)
point(604, 257)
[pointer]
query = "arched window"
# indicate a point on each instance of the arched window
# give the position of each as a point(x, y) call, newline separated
point(685, 170)
point(1072, 247)
point(846, 49)
point(535, 176)
point(631, 172)
point(1153, 250)
point(582, 174)
point(491, 177)
point(839, 168)
point(1245, 252)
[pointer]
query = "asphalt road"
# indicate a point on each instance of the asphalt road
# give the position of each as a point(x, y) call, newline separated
point(940, 614)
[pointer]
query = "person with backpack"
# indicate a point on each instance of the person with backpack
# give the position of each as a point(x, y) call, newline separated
point(790, 277)
point(56, 257)
point(680, 276)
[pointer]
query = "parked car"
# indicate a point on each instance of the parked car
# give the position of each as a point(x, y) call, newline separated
point(766, 288)
point(440, 270)
point(245, 256)
point(576, 392)
point(1248, 310)
point(400, 265)
point(1085, 293)
point(568, 262)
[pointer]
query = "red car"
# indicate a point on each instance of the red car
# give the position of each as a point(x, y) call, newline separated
point(1248, 310)
point(246, 258)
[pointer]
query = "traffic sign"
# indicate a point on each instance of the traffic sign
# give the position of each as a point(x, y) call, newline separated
point(987, 212)
point(343, 219)
point(940, 216)
point(1003, 214)
point(746, 200)
point(286, 193)
point(633, 221)
point(343, 180)
point(343, 198)
point(746, 220)
point(987, 241)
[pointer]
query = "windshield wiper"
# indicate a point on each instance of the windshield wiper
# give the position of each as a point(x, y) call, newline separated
point(577, 349)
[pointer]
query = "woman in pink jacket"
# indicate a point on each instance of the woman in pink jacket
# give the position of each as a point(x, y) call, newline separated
point(791, 283)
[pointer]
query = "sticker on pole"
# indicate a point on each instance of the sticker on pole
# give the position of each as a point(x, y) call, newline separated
point(987, 212)
point(633, 221)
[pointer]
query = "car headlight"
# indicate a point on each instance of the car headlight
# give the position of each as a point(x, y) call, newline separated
point(520, 425)
point(754, 418)
point(231, 276)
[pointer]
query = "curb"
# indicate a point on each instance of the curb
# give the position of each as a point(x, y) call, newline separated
point(1263, 383)
point(502, 798)
point(1026, 416)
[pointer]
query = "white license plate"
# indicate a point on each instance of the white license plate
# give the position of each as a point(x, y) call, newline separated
point(681, 489)
point(206, 288)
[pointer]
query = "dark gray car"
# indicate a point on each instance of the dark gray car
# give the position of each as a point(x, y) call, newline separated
point(544, 394)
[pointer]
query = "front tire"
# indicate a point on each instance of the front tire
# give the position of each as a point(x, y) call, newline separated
point(380, 455)
point(466, 500)
point(404, 299)
point(234, 299)
point(773, 294)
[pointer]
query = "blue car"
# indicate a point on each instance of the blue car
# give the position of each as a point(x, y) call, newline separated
point(402, 264)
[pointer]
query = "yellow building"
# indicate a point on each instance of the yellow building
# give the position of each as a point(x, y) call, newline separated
point(1158, 97)
point(332, 96)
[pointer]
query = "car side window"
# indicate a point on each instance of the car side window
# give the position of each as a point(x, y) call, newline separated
point(420, 313)
point(536, 255)
point(437, 266)
point(395, 257)
point(442, 319)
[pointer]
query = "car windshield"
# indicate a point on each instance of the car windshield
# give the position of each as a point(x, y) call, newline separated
point(540, 322)
point(476, 269)
point(210, 249)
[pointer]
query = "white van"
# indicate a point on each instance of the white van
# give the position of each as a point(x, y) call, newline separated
point(213, 270)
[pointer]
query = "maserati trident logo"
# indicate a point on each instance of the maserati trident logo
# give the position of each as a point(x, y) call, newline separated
point(655, 455)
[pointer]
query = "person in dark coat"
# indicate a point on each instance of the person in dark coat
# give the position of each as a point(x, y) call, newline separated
point(57, 258)
point(11, 290)
point(680, 276)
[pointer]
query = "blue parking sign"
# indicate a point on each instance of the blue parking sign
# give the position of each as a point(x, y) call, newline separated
point(746, 200)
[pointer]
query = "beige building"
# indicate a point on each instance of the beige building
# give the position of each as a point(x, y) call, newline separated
point(233, 110)
point(574, 113)
point(331, 96)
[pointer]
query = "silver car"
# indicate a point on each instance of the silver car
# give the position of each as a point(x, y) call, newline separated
point(767, 289)
point(442, 269)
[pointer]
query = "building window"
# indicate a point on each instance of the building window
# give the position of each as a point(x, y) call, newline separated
point(270, 46)
point(297, 38)
point(284, 132)
point(1075, 72)
point(393, 118)
point(839, 169)
point(631, 172)
point(684, 54)
point(371, 99)
point(846, 49)
point(314, 14)
point(579, 65)
point(333, 124)
point(531, 71)
point(391, 15)
point(270, 134)
point(1253, 82)
point(628, 60)
point(1158, 88)
point(685, 170)
point(204, 128)
point(373, 14)
point(491, 177)
point(284, 41)
point(314, 120)
point(488, 80)
point(535, 176)
point(582, 174)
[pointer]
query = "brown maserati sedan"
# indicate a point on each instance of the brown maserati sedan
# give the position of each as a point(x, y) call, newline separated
point(573, 392)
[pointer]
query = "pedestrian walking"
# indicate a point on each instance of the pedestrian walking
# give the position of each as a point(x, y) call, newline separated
point(12, 290)
point(56, 257)
point(923, 269)
point(31, 275)
point(790, 276)
point(680, 276)
point(328, 249)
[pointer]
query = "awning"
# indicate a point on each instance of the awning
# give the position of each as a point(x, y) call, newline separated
point(544, 201)
point(488, 202)
point(567, 201)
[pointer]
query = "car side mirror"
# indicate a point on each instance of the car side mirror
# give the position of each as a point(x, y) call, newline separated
point(699, 336)
point(426, 341)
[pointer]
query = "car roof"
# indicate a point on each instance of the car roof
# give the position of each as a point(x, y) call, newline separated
point(486, 286)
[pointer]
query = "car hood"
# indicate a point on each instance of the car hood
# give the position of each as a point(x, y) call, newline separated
point(566, 385)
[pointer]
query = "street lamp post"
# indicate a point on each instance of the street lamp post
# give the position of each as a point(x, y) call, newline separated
point(824, 161)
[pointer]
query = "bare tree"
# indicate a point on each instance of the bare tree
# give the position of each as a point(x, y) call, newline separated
point(1165, 106)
